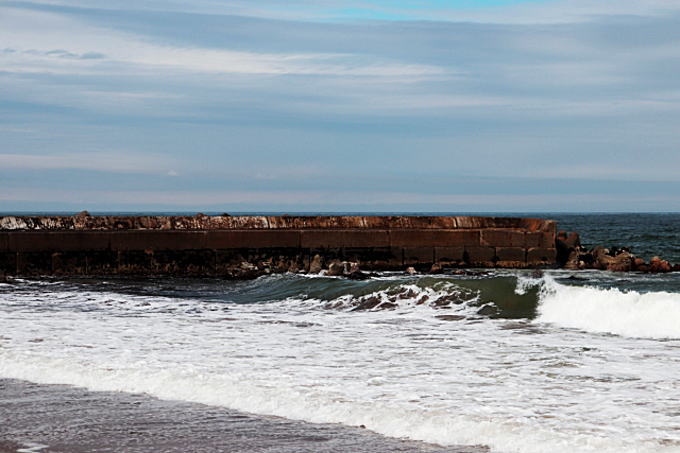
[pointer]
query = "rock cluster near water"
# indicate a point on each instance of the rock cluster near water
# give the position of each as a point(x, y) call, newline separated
point(335, 268)
point(571, 255)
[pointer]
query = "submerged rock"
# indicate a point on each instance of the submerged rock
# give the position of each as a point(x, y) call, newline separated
point(487, 310)
point(358, 275)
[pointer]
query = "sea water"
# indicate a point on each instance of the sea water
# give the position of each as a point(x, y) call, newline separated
point(563, 362)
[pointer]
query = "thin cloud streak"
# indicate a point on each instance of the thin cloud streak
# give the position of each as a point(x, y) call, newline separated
point(26, 53)
point(112, 162)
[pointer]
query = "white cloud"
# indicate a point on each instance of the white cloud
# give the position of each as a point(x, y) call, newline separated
point(64, 44)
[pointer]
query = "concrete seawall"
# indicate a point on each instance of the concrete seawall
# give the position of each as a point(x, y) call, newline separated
point(247, 246)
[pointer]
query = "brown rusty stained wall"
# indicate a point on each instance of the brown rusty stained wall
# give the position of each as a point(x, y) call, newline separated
point(242, 246)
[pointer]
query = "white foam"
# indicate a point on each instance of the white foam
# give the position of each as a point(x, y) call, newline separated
point(406, 296)
point(402, 373)
point(444, 427)
point(628, 313)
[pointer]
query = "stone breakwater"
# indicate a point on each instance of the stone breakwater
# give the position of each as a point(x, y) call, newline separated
point(250, 246)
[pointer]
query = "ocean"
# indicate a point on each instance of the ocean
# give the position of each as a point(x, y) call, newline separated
point(492, 360)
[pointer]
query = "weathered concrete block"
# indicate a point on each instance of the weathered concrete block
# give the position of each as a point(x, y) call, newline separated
point(254, 239)
point(227, 257)
point(135, 261)
point(158, 240)
point(34, 263)
point(434, 238)
point(344, 238)
point(503, 238)
point(418, 255)
point(540, 239)
point(81, 240)
point(32, 241)
point(8, 262)
point(376, 258)
point(328, 254)
point(69, 263)
point(188, 262)
point(103, 262)
point(449, 254)
point(191, 244)
point(511, 257)
point(480, 256)
point(541, 256)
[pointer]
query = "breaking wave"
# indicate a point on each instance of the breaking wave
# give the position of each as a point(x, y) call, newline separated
point(609, 310)
point(375, 353)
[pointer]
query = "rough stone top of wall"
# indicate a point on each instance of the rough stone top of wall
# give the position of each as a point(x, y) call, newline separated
point(226, 222)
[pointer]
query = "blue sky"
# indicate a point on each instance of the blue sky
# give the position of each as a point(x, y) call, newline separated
point(328, 105)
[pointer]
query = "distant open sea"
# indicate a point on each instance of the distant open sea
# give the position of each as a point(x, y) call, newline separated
point(501, 361)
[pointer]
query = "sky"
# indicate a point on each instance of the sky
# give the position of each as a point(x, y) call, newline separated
point(340, 106)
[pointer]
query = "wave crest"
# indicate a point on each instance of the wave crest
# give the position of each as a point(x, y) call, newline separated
point(626, 313)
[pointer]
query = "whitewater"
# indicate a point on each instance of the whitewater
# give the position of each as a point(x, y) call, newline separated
point(515, 362)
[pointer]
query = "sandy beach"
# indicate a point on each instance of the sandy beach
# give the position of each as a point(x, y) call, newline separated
point(65, 419)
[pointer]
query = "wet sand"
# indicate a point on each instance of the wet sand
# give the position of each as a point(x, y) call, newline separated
point(64, 419)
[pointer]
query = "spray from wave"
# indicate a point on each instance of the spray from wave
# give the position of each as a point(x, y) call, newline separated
point(607, 310)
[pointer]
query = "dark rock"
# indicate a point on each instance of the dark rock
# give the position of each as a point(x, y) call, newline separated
point(450, 317)
point(316, 265)
point(565, 245)
point(573, 260)
point(409, 294)
point(487, 310)
point(573, 241)
point(350, 267)
point(637, 263)
point(423, 299)
point(358, 275)
point(657, 265)
point(676, 268)
point(449, 299)
point(436, 269)
point(335, 269)
point(623, 262)
point(367, 303)
point(601, 258)
point(618, 250)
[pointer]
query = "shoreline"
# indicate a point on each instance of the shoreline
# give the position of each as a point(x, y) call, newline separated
point(65, 419)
